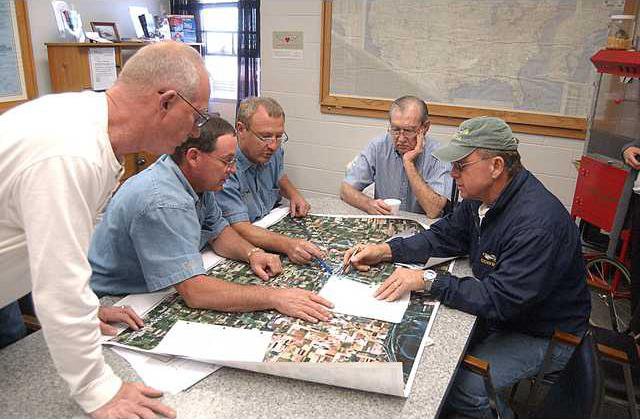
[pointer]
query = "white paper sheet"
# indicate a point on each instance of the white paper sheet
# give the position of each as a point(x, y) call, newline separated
point(212, 343)
point(167, 373)
point(210, 259)
point(355, 298)
point(102, 62)
point(273, 217)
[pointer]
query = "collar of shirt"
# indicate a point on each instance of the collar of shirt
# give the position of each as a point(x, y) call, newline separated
point(168, 162)
point(243, 163)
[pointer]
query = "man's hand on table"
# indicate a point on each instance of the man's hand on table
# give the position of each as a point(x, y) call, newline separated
point(377, 207)
point(134, 400)
point(299, 206)
point(265, 265)
point(362, 257)
point(303, 304)
point(123, 314)
point(302, 252)
point(631, 155)
point(400, 282)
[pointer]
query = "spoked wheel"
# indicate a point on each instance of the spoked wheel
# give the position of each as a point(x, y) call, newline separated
point(611, 284)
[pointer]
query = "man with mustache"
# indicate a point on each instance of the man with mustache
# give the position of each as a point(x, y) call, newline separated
point(401, 165)
point(260, 182)
point(156, 224)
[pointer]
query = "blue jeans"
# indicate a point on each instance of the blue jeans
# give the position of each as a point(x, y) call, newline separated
point(512, 357)
point(12, 326)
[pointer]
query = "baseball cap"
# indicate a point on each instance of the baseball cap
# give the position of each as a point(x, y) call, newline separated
point(481, 132)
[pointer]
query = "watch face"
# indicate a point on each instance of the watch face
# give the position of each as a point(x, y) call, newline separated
point(429, 274)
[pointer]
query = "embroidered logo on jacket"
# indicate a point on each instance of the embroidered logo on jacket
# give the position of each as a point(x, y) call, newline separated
point(488, 259)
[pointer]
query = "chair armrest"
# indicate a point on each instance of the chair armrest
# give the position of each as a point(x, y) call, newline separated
point(612, 354)
point(476, 365)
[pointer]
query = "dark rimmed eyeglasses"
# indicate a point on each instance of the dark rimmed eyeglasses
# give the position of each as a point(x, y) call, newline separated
point(279, 139)
point(201, 119)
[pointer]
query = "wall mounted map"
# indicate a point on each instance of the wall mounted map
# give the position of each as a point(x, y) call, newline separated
point(349, 351)
point(527, 55)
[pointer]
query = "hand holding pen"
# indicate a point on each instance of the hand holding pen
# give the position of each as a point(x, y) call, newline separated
point(362, 257)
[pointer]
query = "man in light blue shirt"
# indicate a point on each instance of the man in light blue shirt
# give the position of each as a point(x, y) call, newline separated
point(401, 165)
point(260, 182)
point(156, 224)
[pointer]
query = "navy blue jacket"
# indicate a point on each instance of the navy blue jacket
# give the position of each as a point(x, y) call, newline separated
point(526, 256)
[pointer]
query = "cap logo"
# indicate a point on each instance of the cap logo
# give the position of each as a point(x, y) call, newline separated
point(461, 133)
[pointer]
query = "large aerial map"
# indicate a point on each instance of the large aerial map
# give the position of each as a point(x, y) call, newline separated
point(529, 55)
point(344, 339)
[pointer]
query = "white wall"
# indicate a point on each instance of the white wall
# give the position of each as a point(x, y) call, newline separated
point(43, 25)
point(321, 145)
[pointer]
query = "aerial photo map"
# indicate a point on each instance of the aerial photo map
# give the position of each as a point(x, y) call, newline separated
point(346, 338)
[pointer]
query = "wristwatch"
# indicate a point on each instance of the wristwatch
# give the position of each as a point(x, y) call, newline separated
point(428, 276)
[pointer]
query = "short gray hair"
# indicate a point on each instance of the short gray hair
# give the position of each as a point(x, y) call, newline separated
point(403, 103)
point(249, 106)
point(164, 65)
point(512, 163)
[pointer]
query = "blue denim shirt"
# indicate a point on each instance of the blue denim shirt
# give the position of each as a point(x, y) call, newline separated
point(253, 191)
point(379, 162)
point(152, 232)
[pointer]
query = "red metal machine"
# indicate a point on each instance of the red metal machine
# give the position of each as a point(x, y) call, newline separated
point(604, 184)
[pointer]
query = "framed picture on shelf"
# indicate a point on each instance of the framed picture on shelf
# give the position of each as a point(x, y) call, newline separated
point(106, 30)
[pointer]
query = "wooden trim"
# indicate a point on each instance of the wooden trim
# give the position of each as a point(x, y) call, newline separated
point(24, 33)
point(453, 121)
point(440, 113)
point(325, 52)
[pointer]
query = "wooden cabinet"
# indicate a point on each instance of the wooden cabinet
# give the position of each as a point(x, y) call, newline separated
point(70, 72)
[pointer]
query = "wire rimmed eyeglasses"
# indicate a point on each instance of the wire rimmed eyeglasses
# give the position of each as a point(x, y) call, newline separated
point(201, 119)
point(281, 139)
point(409, 133)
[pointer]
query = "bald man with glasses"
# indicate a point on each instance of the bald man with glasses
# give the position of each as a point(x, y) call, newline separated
point(401, 165)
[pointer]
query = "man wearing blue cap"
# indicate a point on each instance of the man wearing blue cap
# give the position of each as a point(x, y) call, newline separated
point(526, 257)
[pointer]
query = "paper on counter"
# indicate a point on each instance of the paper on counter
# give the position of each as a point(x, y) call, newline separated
point(210, 259)
point(168, 374)
point(273, 217)
point(355, 298)
point(211, 343)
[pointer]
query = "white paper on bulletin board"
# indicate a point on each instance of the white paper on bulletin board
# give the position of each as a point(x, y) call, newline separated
point(288, 44)
point(102, 62)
